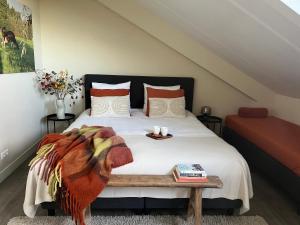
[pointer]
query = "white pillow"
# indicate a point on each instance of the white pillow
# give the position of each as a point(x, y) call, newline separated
point(175, 87)
point(110, 106)
point(167, 107)
point(125, 85)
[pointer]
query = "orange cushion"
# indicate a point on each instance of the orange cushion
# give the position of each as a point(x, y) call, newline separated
point(108, 92)
point(278, 138)
point(161, 93)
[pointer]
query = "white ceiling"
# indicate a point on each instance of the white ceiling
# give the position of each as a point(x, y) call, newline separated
point(260, 37)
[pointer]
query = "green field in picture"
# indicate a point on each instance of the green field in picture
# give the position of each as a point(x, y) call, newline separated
point(16, 49)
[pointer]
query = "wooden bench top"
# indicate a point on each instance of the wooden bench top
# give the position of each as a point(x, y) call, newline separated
point(159, 181)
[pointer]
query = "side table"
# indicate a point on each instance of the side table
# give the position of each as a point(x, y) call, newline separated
point(69, 117)
point(211, 121)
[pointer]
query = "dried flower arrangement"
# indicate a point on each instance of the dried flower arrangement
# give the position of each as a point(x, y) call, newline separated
point(59, 84)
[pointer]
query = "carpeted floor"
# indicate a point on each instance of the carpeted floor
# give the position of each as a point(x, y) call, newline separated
point(142, 220)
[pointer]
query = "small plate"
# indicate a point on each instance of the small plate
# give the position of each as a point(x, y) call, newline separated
point(159, 136)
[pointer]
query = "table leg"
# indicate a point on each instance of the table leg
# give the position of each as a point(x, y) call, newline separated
point(198, 206)
point(54, 126)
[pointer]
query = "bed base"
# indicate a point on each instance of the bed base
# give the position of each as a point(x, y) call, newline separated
point(260, 161)
point(145, 205)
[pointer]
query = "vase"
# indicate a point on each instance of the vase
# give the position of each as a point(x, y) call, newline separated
point(60, 109)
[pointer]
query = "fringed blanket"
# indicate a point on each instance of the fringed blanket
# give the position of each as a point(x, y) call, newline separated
point(76, 165)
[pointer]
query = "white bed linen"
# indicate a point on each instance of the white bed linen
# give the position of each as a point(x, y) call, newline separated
point(192, 143)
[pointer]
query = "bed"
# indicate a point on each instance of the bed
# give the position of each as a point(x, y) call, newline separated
point(192, 142)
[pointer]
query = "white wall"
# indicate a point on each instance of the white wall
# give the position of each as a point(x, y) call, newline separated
point(158, 25)
point(86, 37)
point(287, 108)
point(21, 110)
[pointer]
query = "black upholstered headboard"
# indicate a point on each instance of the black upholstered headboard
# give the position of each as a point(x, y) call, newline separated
point(136, 88)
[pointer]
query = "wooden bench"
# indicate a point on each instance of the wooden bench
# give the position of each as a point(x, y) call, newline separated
point(195, 202)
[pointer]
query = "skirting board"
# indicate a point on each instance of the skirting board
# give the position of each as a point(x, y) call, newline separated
point(17, 162)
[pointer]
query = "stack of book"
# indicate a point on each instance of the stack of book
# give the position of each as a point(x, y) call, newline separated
point(189, 173)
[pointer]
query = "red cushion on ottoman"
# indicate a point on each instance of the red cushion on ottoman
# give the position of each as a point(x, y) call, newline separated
point(253, 112)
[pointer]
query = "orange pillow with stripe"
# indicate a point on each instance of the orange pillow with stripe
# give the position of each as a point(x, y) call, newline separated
point(108, 92)
point(160, 93)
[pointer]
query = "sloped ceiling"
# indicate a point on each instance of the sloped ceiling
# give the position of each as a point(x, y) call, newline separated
point(260, 37)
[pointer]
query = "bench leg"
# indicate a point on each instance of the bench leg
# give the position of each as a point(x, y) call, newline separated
point(195, 205)
point(190, 211)
point(198, 206)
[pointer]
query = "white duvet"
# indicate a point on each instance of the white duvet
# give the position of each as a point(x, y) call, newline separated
point(192, 143)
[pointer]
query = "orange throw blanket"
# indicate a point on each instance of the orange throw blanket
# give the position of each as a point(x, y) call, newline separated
point(76, 165)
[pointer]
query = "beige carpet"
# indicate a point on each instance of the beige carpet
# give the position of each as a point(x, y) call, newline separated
point(142, 220)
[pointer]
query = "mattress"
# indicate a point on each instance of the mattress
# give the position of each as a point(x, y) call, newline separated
point(192, 142)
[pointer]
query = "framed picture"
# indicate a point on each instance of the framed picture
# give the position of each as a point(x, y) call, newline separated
point(16, 49)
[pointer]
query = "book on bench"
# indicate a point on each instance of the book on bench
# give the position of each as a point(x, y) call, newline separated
point(189, 173)
point(190, 170)
point(181, 179)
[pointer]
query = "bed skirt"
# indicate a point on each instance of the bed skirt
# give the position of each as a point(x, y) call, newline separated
point(144, 204)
